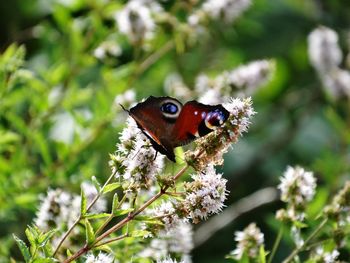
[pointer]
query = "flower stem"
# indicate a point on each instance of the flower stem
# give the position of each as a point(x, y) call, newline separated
point(275, 245)
point(80, 216)
point(110, 217)
point(112, 240)
point(126, 220)
point(312, 235)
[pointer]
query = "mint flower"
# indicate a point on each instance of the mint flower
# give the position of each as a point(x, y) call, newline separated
point(249, 241)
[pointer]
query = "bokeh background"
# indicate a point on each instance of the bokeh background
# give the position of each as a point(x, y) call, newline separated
point(59, 120)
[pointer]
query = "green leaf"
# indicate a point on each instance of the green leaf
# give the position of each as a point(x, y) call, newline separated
point(45, 260)
point(115, 204)
point(140, 233)
point(83, 203)
point(13, 58)
point(262, 254)
point(96, 216)
point(110, 187)
point(23, 247)
point(69, 253)
point(31, 236)
point(149, 220)
point(7, 137)
point(44, 238)
point(96, 183)
point(43, 147)
point(299, 224)
point(106, 249)
point(90, 235)
point(123, 211)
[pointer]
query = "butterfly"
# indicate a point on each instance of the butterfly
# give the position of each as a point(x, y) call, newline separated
point(167, 123)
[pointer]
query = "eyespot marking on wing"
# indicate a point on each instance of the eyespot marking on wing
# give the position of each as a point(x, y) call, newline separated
point(170, 109)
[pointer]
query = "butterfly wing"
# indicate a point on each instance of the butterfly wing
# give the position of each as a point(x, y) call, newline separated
point(196, 120)
point(156, 118)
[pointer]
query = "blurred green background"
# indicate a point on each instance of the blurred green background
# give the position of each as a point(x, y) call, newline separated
point(49, 74)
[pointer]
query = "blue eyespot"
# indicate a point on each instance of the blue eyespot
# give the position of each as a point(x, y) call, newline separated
point(169, 108)
point(216, 118)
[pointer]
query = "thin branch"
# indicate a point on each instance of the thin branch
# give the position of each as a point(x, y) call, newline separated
point(80, 216)
point(110, 217)
point(275, 245)
point(111, 240)
point(251, 202)
point(312, 235)
point(153, 58)
point(127, 219)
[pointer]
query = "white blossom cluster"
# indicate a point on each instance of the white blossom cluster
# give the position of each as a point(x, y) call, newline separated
point(297, 188)
point(205, 195)
point(226, 10)
point(135, 20)
point(107, 48)
point(59, 209)
point(100, 258)
point(326, 57)
point(90, 192)
point(137, 157)
point(339, 209)
point(324, 51)
point(167, 212)
point(249, 242)
point(242, 81)
point(320, 255)
point(241, 111)
point(169, 260)
point(126, 99)
point(213, 146)
point(297, 185)
point(219, 10)
point(247, 78)
point(174, 86)
point(176, 240)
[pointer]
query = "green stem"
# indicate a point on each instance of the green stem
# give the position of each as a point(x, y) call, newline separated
point(313, 234)
point(275, 245)
point(110, 217)
point(111, 240)
point(126, 220)
point(80, 216)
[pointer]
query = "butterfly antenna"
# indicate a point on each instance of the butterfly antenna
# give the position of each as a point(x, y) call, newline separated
point(124, 108)
point(136, 154)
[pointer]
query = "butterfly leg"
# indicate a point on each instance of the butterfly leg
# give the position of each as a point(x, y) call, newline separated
point(155, 156)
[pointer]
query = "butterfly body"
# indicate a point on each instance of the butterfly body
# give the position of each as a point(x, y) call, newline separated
point(169, 124)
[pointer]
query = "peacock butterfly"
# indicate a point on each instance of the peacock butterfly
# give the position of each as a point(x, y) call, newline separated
point(169, 124)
